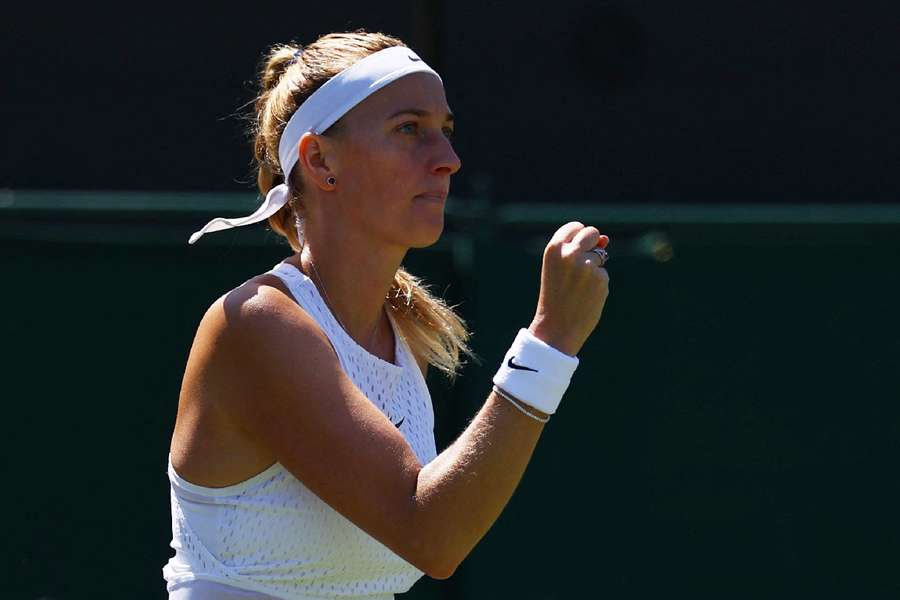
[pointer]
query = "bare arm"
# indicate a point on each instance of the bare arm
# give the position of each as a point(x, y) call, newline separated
point(462, 492)
point(283, 385)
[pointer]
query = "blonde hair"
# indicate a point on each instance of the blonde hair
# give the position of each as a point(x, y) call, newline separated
point(290, 74)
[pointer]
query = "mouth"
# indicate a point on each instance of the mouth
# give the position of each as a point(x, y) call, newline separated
point(432, 196)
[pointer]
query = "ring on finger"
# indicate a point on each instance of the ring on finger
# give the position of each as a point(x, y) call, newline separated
point(603, 254)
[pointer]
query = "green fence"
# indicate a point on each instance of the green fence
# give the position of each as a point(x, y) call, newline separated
point(732, 430)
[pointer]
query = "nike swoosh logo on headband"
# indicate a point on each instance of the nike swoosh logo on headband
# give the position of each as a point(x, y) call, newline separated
point(412, 58)
point(513, 365)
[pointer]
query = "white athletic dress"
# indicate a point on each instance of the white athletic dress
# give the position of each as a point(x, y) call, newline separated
point(270, 536)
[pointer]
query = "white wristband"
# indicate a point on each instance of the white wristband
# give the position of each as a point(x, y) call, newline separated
point(535, 372)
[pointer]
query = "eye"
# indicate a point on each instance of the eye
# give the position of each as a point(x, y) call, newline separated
point(410, 127)
point(449, 133)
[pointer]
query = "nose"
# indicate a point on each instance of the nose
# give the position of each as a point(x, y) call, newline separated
point(446, 161)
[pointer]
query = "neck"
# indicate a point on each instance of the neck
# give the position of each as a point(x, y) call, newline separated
point(354, 282)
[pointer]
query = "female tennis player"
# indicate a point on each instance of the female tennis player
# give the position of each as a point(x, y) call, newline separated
point(303, 463)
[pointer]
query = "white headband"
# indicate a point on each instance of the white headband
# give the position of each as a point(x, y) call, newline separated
point(319, 112)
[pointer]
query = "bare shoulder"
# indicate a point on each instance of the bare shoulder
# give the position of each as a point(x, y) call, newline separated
point(251, 322)
point(262, 298)
point(237, 329)
point(281, 383)
point(258, 332)
point(269, 375)
point(259, 311)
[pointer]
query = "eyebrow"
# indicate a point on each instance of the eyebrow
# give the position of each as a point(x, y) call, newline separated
point(419, 113)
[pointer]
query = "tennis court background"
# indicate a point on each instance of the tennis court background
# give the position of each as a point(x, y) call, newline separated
point(732, 430)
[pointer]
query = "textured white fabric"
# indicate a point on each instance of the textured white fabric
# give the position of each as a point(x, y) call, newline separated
point(272, 535)
point(535, 372)
point(198, 589)
point(319, 112)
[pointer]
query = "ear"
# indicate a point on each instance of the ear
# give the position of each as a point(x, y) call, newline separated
point(313, 152)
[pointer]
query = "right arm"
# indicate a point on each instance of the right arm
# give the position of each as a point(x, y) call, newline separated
point(317, 424)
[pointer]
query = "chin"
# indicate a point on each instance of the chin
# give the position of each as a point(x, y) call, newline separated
point(427, 237)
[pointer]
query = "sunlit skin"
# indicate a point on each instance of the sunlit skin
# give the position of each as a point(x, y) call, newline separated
point(392, 160)
point(263, 383)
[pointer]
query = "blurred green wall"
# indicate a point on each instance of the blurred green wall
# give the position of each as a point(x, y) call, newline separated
point(732, 430)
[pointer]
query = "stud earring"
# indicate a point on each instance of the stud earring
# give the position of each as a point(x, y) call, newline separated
point(331, 180)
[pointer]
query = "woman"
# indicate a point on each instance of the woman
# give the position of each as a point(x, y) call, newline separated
point(303, 463)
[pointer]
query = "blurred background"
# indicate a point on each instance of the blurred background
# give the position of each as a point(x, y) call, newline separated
point(733, 429)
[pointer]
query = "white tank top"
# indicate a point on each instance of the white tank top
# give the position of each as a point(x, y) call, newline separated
point(272, 535)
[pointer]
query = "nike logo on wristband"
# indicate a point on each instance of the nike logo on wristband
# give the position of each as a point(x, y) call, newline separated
point(412, 58)
point(513, 365)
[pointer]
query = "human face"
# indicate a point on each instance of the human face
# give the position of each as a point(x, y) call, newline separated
point(393, 160)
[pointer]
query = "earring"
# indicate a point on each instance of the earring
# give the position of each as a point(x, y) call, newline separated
point(331, 180)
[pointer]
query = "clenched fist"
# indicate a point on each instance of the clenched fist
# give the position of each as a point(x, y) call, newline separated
point(573, 288)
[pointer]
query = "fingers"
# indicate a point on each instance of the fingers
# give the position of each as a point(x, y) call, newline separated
point(586, 239)
point(574, 238)
point(566, 233)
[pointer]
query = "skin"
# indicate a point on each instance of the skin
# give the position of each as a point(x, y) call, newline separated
point(359, 230)
point(263, 384)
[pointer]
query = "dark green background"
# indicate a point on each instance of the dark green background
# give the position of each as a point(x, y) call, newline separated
point(732, 430)
point(649, 102)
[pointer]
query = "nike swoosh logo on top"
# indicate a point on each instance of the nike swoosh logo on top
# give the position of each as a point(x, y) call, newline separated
point(513, 365)
point(413, 58)
point(400, 422)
